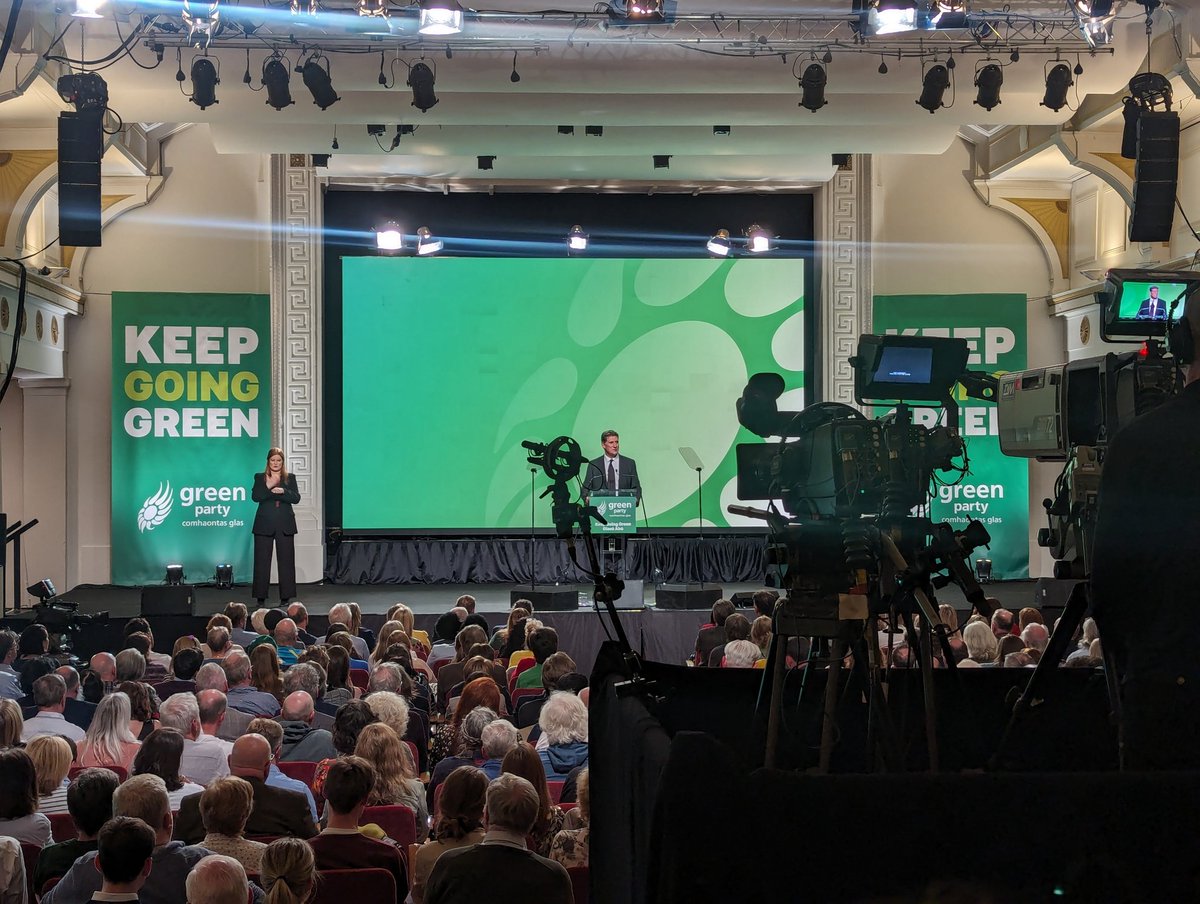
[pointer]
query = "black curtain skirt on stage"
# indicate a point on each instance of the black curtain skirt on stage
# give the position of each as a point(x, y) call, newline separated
point(486, 560)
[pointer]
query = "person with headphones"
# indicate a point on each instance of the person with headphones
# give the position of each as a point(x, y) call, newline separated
point(1146, 568)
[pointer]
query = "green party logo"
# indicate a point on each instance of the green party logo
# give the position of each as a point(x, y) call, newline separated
point(155, 509)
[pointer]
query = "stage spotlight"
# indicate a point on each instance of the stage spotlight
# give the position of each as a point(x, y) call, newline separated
point(758, 240)
point(223, 576)
point(426, 243)
point(891, 17)
point(85, 90)
point(1094, 9)
point(722, 130)
point(719, 245)
point(87, 9)
point(485, 161)
point(201, 18)
point(645, 10)
point(566, 130)
point(440, 17)
point(388, 236)
point(577, 239)
point(812, 86)
point(41, 591)
point(318, 82)
point(593, 131)
point(1058, 82)
point(662, 161)
point(421, 79)
point(949, 14)
point(934, 85)
point(275, 79)
point(174, 575)
point(983, 570)
point(204, 83)
point(988, 80)
point(373, 9)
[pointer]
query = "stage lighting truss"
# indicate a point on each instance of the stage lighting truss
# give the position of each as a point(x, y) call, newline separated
point(202, 19)
point(1096, 19)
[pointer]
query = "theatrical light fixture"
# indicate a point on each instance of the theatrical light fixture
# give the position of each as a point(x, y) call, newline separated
point(812, 87)
point(426, 243)
point(204, 83)
point(983, 570)
point(891, 17)
point(275, 79)
point(87, 9)
point(933, 87)
point(43, 590)
point(988, 79)
point(577, 239)
point(719, 245)
point(421, 79)
point(593, 131)
point(440, 18)
point(223, 576)
point(388, 236)
point(302, 8)
point(485, 161)
point(174, 575)
point(645, 10)
point(566, 130)
point(85, 90)
point(374, 9)
point(318, 82)
point(201, 18)
point(1058, 82)
point(1095, 20)
point(758, 239)
point(662, 161)
point(949, 14)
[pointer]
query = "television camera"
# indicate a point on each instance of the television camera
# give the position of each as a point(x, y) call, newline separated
point(61, 618)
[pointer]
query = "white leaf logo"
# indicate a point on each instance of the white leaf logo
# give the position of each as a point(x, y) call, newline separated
point(602, 508)
point(155, 509)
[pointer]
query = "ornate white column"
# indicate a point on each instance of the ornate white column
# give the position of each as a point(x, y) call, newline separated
point(844, 240)
point(296, 286)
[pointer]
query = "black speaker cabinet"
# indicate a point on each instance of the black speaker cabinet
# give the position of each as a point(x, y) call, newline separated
point(1155, 178)
point(167, 600)
point(548, 598)
point(687, 596)
point(80, 147)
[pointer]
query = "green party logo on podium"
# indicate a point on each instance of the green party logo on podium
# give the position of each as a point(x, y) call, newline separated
point(619, 510)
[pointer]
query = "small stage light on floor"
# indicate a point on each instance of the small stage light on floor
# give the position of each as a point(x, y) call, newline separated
point(983, 570)
point(758, 240)
point(223, 577)
point(174, 575)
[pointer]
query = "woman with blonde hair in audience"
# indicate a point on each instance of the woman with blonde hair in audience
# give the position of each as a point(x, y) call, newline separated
point(141, 708)
point(524, 761)
point(289, 872)
point(570, 846)
point(109, 740)
point(396, 779)
point(949, 616)
point(515, 614)
point(404, 615)
point(760, 635)
point(12, 723)
point(51, 756)
point(981, 642)
point(459, 823)
point(384, 638)
point(356, 626)
point(265, 673)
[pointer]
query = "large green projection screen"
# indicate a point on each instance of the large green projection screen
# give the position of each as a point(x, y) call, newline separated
point(448, 364)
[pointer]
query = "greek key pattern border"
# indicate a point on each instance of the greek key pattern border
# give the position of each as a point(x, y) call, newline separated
point(846, 265)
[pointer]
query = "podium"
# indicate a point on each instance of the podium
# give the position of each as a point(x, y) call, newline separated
point(618, 508)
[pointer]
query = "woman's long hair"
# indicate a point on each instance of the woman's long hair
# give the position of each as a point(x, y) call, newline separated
point(383, 639)
point(159, 755)
point(109, 729)
point(12, 723)
point(462, 798)
point(51, 756)
point(283, 471)
point(288, 871)
point(379, 745)
point(265, 673)
point(524, 761)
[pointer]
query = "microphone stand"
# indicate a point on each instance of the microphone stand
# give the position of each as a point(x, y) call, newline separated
point(655, 574)
point(693, 462)
point(532, 529)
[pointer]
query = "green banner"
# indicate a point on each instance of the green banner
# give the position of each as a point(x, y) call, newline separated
point(191, 424)
point(996, 491)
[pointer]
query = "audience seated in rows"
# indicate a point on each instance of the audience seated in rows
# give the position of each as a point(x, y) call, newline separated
point(737, 627)
point(273, 732)
point(468, 745)
point(161, 754)
point(212, 677)
point(712, 635)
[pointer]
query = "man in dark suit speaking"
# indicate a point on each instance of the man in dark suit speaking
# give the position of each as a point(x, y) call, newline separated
point(612, 471)
point(1153, 308)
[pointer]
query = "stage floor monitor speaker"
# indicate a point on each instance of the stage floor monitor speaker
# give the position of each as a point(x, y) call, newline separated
point(168, 600)
point(546, 599)
point(687, 596)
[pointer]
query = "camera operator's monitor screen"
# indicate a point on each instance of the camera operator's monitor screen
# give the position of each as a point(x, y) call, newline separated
point(904, 365)
point(1137, 304)
point(449, 363)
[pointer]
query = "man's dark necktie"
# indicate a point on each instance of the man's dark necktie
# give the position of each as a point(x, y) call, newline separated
point(612, 476)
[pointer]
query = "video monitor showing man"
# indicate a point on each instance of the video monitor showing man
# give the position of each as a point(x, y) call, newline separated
point(1140, 304)
point(1151, 301)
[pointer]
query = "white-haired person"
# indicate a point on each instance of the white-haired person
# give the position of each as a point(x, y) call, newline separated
point(218, 879)
point(981, 642)
point(741, 654)
point(110, 740)
point(564, 724)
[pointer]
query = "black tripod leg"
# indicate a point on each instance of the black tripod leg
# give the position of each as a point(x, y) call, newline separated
point(775, 704)
point(881, 732)
point(837, 652)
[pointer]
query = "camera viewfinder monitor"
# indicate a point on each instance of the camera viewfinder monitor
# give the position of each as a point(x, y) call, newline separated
point(908, 368)
point(1136, 304)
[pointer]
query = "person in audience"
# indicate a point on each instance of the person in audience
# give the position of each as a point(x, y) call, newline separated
point(202, 761)
point(265, 673)
point(224, 809)
point(142, 797)
point(981, 642)
point(274, 811)
point(213, 707)
point(12, 723)
point(289, 872)
point(309, 677)
point(396, 779)
point(341, 638)
point(10, 681)
point(498, 739)
point(258, 624)
point(276, 778)
point(384, 640)
point(712, 635)
point(1002, 623)
point(519, 611)
point(469, 873)
point(469, 748)
point(50, 695)
point(89, 801)
point(220, 644)
point(302, 742)
point(341, 614)
point(570, 846)
point(341, 845)
point(211, 677)
point(411, 721)
point(357, 627)
point(1028, 616)
point(737, 627)
point(459, 823)
point(242, 695)
point(238, 615)
point(298, 613)
point(110, 740)
point(131, 665)
point(445, 629)
point(543, 643)
point(451, 673)
point(184, 664)
point(160, 755)
point(480, 693)
point(139, 625)
point(141, 708)
point(524, 761)
point(556, 667)
point(287, 638)
point(347, 725)
point(564, 724)
point(740, 654)
point(124, 857)
point(218, 880)
point(1036, 636)
point(760, 635)
point(19, 816)
point(391, 709)
point(31, 662)
point(51, 757)
point(102, 672)
point(75, 710)
point(155, 670)
point(1009, 643)
point(184, 642)
point(1018, 660)
point(338, 678)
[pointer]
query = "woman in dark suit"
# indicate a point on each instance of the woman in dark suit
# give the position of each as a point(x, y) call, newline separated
point(275, 492)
